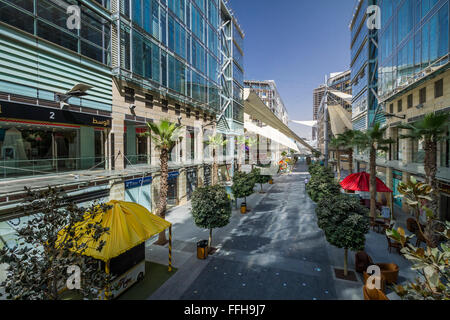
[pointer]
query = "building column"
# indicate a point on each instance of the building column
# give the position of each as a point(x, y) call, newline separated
point(117, 190)
point(182, 183)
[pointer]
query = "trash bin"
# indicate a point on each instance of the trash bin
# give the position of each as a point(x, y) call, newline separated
point(243, 208)
point(202, 249)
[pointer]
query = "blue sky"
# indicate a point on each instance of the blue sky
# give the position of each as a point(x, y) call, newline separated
point(296, 43)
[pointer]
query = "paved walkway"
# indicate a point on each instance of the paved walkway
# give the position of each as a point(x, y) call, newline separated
point(275, 252)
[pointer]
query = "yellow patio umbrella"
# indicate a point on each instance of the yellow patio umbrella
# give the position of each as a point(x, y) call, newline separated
point(129, 225)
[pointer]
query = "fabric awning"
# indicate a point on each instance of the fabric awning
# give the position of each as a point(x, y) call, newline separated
point(340, 119)
point(311, 123)
point(273, 134)
point(347, 97)
point(258, 110)
point(129, 225)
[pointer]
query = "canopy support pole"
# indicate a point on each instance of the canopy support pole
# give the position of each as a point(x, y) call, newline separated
point(107, 271)
point(170, 249)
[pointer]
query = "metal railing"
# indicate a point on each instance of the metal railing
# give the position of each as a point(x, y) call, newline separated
point(33, 167)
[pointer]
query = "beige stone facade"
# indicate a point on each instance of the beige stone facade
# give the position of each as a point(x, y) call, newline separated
point(405, 158)
point(133, 112)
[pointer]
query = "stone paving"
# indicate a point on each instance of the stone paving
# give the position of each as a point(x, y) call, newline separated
point(274, 252)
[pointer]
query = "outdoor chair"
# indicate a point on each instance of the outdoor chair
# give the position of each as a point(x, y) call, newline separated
point(389, 271)
point(383, 281)
point(362, 261)
point(411, 226)
point(393, 245)
point(373, 294)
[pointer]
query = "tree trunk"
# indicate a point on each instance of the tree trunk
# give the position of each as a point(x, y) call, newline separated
point(239, 157)
point(430, 166)
point(373, 181)
point(350, 161)
point(210, 238)
point(338, 155)
point(215, 168)
point(162, 206)
point(346, 262)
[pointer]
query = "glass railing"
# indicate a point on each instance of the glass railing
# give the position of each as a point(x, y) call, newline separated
point(139, 159)
point(34, 167)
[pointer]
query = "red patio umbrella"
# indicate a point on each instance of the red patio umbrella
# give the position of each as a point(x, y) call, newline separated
point(361, 182)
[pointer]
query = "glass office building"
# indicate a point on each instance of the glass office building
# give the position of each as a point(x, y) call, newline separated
point(40, 57)
point(414, 37)
point(364, 73)
point(172, 46)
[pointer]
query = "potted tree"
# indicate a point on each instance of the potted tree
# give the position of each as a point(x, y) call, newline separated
point(211, 209)
point(260, 178)
point(345, 223)
point(243, 185)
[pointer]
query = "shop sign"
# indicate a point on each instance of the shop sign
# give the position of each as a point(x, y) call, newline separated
point(173, 175)
point(18, 111)
point(129, 184)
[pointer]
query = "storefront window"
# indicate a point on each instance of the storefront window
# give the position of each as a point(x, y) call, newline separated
point(190, 143)
point(418, 152)
point(136, 144)
point(32, 150)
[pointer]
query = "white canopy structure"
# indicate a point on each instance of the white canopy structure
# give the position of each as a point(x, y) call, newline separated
point(258, 110)
point(273, 134)
point(311, 123)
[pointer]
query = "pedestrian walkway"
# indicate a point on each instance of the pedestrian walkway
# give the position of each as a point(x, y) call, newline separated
point(274, 252)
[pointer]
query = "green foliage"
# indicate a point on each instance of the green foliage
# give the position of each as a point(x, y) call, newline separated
point(38, 265)
point(164, 135)
point(432, 127)
point(243, 184)
point(216, 141)
point(211, 207)
point(259, 178)
point(373, 137)
point(344, 220)
point(432, 264)
point(344, 141)
point(322, 183)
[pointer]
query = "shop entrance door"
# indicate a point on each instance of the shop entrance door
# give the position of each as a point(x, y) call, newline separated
point(172, 193)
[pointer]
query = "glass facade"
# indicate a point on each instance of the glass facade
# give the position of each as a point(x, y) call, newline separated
point(364, 74)
point(48, 20)
point(414, 35)
point(176, 46)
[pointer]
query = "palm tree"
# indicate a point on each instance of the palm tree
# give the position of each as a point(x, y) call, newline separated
point(164, 136)
point(345, 141)
point(373, 140)
point(244, 142)
point(215, 142)
point(431, 129)
point(240, 144)
point(336, 144)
